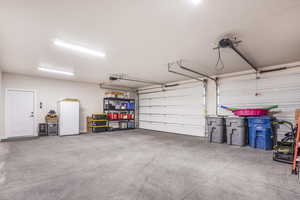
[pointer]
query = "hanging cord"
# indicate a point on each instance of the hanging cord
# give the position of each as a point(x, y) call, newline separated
point(220, 65)
point(257, 77)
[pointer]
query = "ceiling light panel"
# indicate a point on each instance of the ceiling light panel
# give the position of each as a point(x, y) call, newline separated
point(196, 2)
point(55, 71)
point(78, 48)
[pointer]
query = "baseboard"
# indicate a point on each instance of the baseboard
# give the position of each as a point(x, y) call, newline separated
point(25, 138)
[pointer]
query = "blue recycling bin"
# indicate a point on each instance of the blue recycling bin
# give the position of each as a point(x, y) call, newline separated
point(260, 132)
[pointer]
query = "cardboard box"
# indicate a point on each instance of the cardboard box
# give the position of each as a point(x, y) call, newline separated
point(51, 120)
point(297, 114)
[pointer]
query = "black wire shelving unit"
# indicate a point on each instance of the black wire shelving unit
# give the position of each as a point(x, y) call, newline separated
point(113, 105)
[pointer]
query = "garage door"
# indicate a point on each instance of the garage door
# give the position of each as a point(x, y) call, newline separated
point(180, 109)
point(280, 88)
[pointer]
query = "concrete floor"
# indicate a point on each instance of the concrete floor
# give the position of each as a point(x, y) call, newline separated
point(139, 164)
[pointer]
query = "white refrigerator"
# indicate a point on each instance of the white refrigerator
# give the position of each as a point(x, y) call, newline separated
point(68, 117)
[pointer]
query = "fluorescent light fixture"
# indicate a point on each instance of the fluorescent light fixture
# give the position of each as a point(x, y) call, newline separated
point(81, 49)
point(196, 2)
point(55, 71)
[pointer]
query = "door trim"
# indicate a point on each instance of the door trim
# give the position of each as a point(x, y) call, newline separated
point(35, 131)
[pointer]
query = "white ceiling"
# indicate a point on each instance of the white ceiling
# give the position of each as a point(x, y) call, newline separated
point(140, 37)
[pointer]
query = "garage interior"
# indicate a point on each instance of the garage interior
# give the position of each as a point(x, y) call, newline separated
point(187, 99)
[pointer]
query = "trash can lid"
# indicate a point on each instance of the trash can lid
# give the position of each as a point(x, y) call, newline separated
point(260, 117)
point(234, 117)
point(216, 116)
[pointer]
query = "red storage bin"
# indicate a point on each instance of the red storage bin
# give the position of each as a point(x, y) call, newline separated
point(115, 116)
point(110, 116)
point(123, 116)
point(120, 115)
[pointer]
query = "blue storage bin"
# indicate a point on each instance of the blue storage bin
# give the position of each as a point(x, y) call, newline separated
point(260, 132)
point(260, 138)
point(130, 106)
point(131, 125)
point(260, 126)
point(264, 121)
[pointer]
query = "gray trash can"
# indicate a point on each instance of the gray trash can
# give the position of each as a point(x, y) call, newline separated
point(216, 129)
point(236, 131)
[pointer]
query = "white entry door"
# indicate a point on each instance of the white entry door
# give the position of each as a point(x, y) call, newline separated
point(20, 116)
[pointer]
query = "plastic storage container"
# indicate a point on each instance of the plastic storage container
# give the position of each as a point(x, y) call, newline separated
point(260, 132)
point(43, 129)
point(114, 125)
point(99, 123)
point(130, 106)
point(216, 129)
point(130, 116)
point(52, 129)
point(99, 116)
point(123, 125)
point(264, 121)
point(98, 130)
point(236, 131)
point(114, 116)
point(131, 124)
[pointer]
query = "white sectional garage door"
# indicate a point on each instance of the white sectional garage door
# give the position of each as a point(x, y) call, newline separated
point(280, 88)
point(180, 109)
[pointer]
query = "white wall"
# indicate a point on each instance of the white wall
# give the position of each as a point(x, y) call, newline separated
point(49, 91)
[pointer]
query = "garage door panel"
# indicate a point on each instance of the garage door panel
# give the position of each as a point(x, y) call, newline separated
point(282, 89)
point(157, 118)
point(182, 119)
point(157, 101)
point(187, 130)
point(176, 101)
point(144, 102)
point(157, 109)
point(268, 97)
point(145, 125)
point(185, 110)
point(157, 126)
point(144, 109)
point(153, 95)
point(144, 117)
point(178, 110)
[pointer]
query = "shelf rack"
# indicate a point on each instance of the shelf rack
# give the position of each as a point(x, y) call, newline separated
point(91, 121)
point(108, 107)
point(118, 109)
